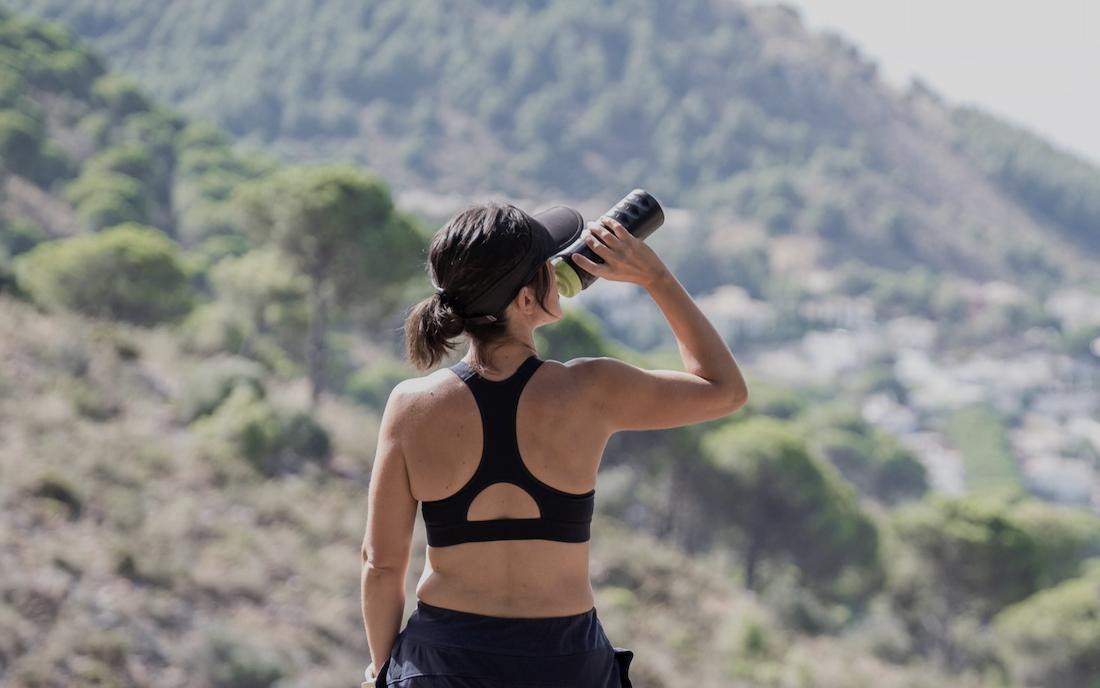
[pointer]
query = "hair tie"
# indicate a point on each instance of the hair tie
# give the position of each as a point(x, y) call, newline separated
point(456, 306)
point(445, 298)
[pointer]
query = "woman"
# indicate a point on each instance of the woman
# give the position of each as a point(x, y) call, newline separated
point(502, 449)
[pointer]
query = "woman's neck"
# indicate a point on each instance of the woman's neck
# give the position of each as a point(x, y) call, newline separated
point(503, 359)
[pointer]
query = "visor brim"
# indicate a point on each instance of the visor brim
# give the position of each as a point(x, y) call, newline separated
point(561, 226)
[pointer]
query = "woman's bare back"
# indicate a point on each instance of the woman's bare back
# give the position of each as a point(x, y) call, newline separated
point(559, 444)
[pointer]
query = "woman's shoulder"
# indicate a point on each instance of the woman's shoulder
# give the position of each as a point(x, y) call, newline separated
point(428, 387)
point(577, 377)
point(423, 396)
point(588, 371)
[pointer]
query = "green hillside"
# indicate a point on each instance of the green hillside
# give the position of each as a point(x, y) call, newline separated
point(730, 110)
point(84, 149)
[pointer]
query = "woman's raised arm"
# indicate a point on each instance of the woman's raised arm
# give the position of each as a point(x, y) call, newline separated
point(632, 398)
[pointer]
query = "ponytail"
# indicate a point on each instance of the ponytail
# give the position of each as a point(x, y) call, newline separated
point(429, 329)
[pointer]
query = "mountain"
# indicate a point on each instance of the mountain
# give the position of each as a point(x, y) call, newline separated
point(737, 113)
point(171, 514)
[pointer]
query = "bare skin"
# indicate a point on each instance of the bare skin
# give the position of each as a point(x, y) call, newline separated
point(430, 442)
point(523, 578)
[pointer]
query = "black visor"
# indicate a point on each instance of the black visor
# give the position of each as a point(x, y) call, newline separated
point(554, 229)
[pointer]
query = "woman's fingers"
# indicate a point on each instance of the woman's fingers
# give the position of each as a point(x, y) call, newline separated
point(606, 235)
point(617, 230)
point(591, 266)
point(597, 246)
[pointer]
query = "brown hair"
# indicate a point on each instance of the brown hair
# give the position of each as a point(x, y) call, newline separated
point(464, 257)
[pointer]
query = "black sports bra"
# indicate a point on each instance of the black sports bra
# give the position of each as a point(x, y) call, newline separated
point(564, 516)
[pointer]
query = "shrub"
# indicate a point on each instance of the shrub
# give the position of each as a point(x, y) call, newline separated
point(20, 236)
point(103, 209)
point(576, 334)
point(974, 555)
point(785, 505)
point(56, 487)
point(207, 219)
point(91, 402)
point(204, 160)
point(212, 328)
point(216, 184)
point(7, 273)
point(246, 426)
point(13, 87)
point(798, 607)
point(200, 134)
point(872, 460)
point(96, 126)
point(226, 658)
point(154, 131)
point(304, 437)
point(119, 95)
point(772, 400)
point(132, 161)
point(131, 273)
point(107, 198)
point(71, 70)
point(1053, 637)
point(1065, 537)
point(110, 646)
point(208, 385)
point(20, 143)
point(265, 290)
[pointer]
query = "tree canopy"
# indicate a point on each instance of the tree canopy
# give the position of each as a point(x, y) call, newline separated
point(784, 504)
point(338, 226)
point(130, 272)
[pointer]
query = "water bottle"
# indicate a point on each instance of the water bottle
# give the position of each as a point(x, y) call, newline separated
point(639, 212)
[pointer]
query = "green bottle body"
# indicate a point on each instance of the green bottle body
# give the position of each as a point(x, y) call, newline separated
point(639, 212)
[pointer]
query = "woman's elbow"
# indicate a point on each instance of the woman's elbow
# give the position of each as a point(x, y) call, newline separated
point(726, 401)
point(739, 398)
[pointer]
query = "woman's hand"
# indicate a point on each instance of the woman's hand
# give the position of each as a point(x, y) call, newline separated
point(626, 257)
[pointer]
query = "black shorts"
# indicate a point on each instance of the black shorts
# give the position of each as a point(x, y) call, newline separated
point(445, 648)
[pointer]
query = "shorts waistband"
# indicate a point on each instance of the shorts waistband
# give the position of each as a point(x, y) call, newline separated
point(506, 635)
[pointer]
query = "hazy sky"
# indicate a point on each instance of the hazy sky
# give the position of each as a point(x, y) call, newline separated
point(1036, 64)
